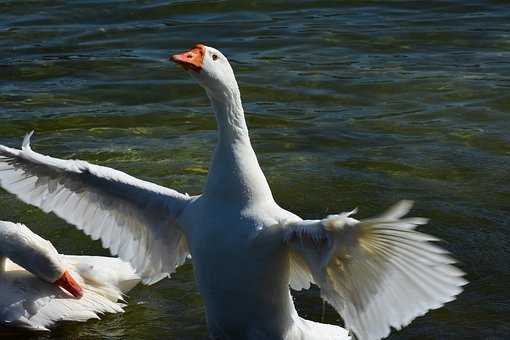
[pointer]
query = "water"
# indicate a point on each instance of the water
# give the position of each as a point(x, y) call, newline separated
point(361, 103)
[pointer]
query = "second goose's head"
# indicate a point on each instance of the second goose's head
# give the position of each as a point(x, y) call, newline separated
point(210, 68)
point(36, 255)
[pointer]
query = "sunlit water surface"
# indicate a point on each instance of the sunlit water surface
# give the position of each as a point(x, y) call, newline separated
point(358, 104)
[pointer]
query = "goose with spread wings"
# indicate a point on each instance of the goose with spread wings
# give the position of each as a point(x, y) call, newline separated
point(377, 273)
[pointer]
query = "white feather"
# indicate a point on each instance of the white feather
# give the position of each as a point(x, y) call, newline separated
point(30, 302)
point(377, 273)
point(133, 218)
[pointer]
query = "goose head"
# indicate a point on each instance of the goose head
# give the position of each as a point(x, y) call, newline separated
point(36, 255)
point(210, 68)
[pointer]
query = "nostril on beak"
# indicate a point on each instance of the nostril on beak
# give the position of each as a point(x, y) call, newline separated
point(189, 56)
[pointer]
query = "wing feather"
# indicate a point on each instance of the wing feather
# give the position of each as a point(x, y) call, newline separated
point(377, 273)
point(136, 220)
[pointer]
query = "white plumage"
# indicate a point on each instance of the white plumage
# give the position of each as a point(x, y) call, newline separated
point(126, 213)
point(377, 273)
point(370, 270)
point(30, 301)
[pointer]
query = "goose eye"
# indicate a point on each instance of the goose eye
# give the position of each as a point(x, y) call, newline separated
point(214, 57)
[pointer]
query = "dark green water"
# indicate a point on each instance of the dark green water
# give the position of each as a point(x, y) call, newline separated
point(361, 103)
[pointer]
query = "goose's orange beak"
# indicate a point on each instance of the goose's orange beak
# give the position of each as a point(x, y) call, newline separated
point(192, 59)
point(67, 282)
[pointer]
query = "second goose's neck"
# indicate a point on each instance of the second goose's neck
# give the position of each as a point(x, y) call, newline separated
point(234, 174)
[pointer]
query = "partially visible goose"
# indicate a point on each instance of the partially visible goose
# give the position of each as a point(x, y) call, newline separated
point(377, 273)
point(32, 274)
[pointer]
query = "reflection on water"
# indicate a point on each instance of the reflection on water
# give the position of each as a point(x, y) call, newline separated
point(361, 104)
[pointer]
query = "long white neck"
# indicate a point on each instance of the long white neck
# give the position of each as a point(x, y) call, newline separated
point(229, 113)
point(29, 250)
point(234, 173)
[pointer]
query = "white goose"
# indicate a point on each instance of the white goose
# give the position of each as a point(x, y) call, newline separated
point(377, 273)
point(31, 272)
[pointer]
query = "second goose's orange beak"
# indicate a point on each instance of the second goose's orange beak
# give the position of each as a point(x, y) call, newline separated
point(67, 282)
point(192, 59)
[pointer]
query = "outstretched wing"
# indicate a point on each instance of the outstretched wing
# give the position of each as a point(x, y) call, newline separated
point(136, 220)
point(377, 273)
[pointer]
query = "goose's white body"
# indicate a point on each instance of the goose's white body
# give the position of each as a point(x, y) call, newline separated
point(243, 272)
point(29, 302)
point(246, 250)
